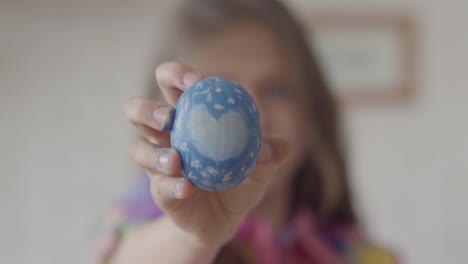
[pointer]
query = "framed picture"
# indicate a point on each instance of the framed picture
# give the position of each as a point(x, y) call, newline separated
point(367, 58)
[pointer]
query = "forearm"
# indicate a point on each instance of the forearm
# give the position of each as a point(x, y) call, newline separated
point(162, 242)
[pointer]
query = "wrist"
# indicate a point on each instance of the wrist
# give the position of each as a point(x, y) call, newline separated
point(203, 246)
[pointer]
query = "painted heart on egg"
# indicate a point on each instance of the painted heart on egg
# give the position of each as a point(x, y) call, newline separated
point(218, 139)
point(217, 133)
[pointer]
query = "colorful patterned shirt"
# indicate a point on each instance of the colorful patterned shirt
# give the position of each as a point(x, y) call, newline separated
point(302, 241)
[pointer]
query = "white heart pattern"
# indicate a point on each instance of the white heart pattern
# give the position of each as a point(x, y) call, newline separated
point(218, 139)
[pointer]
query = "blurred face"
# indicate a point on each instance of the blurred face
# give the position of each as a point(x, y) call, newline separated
point(251, 54)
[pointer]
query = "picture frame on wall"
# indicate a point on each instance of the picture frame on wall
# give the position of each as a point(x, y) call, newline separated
point(367, 58)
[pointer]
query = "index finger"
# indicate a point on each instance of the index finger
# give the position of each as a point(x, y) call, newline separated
point(174, 78)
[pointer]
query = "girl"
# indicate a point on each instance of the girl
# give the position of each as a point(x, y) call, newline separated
point(295, 207)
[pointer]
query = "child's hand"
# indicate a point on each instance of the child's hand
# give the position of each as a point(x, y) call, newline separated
point(209, 218)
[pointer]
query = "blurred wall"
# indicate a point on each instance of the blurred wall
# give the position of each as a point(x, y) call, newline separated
point(66, 67)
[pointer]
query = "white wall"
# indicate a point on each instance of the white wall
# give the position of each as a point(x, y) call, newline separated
point(66, 67)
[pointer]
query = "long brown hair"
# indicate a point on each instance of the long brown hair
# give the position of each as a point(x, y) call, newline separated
point(321, 183)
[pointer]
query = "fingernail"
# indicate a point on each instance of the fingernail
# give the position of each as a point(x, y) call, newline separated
point(162, 163)
point(190, 77)
point(179, 186)
point(163, 160)
point(164, 116)
point(265, 152)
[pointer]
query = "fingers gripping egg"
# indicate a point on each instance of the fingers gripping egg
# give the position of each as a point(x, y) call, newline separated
point(217, 133)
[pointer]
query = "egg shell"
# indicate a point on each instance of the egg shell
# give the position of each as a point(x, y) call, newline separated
point(216, 131)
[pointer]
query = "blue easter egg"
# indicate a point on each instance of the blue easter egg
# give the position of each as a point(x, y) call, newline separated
point(217, 133)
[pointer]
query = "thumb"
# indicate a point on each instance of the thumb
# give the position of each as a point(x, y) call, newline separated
point(273, 151)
